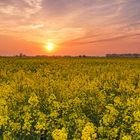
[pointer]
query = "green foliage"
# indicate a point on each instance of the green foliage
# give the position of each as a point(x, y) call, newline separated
point(69, 99)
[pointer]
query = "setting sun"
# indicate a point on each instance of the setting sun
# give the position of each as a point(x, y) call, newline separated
point(50, 47)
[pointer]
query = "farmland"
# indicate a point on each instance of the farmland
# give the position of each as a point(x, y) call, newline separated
point(69, 98)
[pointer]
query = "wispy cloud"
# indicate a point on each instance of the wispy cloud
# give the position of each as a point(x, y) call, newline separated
point(24, 8)
point(70, 21)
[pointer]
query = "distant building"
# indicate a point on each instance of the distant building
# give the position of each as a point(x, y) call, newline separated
point(124, 55)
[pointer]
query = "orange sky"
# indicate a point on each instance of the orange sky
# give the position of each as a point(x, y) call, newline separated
point(91, 27)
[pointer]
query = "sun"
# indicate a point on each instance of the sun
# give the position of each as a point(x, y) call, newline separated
point(50, 46)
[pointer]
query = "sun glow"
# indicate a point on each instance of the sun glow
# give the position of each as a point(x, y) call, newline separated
point(50, 47)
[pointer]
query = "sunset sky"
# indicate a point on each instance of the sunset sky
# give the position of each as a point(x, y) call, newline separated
point(90, 27)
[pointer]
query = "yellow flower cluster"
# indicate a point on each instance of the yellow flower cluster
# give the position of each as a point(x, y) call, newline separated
point(59, 134)
point(69, 99)
point(89, 132)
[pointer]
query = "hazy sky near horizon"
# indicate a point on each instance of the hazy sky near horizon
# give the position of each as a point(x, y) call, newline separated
point(90, 27)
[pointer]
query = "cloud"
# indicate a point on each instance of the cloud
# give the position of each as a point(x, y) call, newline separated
point(69, 20)
point(34, 3)
point(32, 26)
point(17, 17)
point(24, 8)
point(8, 9)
